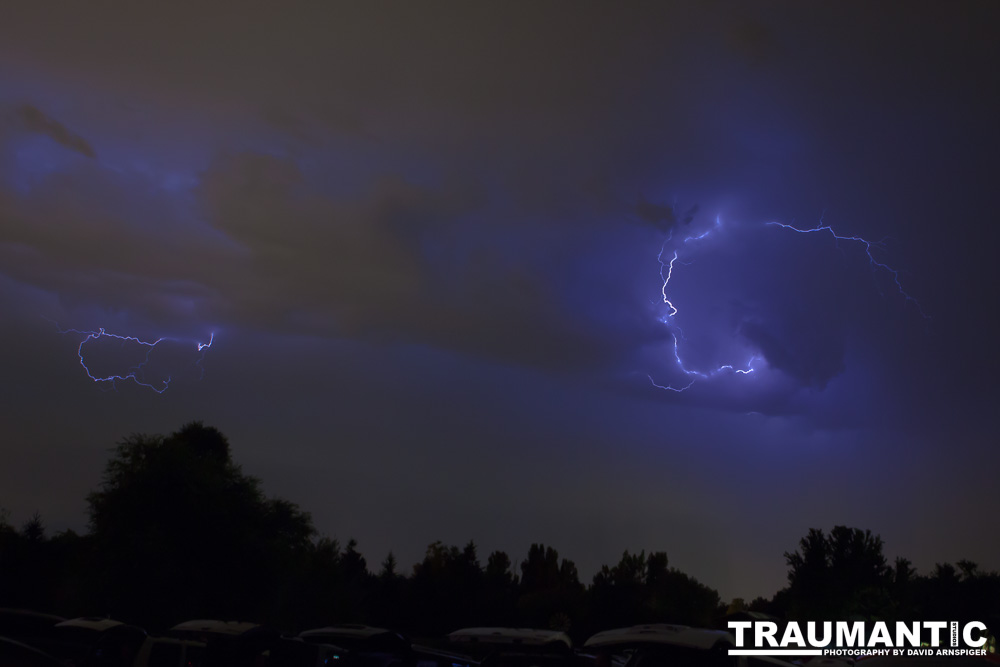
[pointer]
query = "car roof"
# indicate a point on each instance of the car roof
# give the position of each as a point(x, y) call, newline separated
point(14, 652)
point(432, 652)
point(750, 616)
point(215, 627)
point(22, 622)
point(159, 639)
point(659, 633)
point(355, 632)
point(519, 636)
point(350, 630)
point(90, 623)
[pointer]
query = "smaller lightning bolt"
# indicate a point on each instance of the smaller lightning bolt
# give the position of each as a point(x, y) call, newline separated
point(668, 387)
point(868, 245)
point(135, 373)
point(718, 223)
point(202, 346)
point(201, 357)
point(698, 375)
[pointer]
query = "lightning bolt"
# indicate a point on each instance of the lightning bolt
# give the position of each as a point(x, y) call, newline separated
point(666, 278)
point(698, 375)
point(667, 272)
point(868, 245)
point(135, 373)
point(669, 268)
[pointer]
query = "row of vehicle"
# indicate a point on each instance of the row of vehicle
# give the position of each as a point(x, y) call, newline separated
point(37, 640)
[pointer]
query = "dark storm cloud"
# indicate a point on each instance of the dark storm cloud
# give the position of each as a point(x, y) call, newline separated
point(34, 120)
point(810, 359)
point(93, 237)
point(395, 262)
point(369, 262)
point(664, 218)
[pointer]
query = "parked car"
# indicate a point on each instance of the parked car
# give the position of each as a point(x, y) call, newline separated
point(378, 647)
point(228, 643)
point(17, 654)
point(663, 645)
point(23, 625)
point(296, 652)
point(360, 638)
point(95, 642)
point(170, 652)
point(241, 644)
point(518, 647)
point(20, 627)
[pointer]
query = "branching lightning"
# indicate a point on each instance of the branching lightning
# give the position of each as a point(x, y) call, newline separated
point(666, 278)
point(868, 245)
point(667, 272)
point(135, 373)
point(692, 374)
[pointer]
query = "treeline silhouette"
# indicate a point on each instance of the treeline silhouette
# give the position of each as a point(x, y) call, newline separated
point(177, 531)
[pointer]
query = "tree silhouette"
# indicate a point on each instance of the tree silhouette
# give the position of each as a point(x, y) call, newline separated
point(177, 531)
point(550, 594)
point(445, 588)
point(499, 604)
point(644, 589)
point(840, 575)
point(176, 521)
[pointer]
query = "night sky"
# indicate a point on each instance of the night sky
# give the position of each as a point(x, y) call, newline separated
point(427, 239)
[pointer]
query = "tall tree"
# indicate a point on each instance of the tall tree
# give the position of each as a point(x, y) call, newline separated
point(550, 592)
point(176, 521)
point(840, 575)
